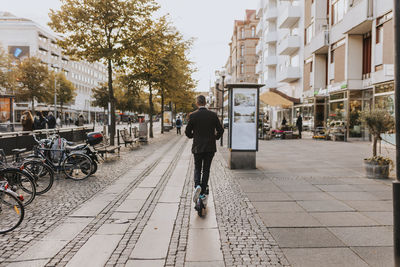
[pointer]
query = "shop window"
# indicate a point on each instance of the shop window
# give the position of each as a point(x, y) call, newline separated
point(384, 88)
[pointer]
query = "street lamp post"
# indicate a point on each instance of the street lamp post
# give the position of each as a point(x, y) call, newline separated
point(222, 74)
point(396, 183)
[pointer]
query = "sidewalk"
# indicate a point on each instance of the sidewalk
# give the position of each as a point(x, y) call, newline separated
point(316, 203)
point(305, 205)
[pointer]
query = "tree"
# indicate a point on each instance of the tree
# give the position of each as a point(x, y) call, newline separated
point(32, 76)
point(102, 31)
point(144, 63)
point(7, 72)
point(65, 89)
point(378, 122)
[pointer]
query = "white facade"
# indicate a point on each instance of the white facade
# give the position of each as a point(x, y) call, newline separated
point(280, 49)
point(34, 40)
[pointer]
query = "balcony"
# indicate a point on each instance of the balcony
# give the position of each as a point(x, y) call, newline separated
point(259, 47)
point(259, 29)
point(289, 74)
point(320, 43)
point(271, 61)
point(271, 14)
point(289, 45)
point(271, 37)
point(289, 16)
point(259, 67)
point(270, 83)
point(357, 20)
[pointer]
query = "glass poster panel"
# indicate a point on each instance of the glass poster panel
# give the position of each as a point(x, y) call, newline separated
point(244, 119)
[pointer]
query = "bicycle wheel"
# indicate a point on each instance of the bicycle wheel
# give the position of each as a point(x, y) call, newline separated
point(42, 173)
point(77, 166)
point(94, 167)
point(11, 212)
point(21, 182)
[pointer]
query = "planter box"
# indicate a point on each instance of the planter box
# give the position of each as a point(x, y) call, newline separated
point(376, 171)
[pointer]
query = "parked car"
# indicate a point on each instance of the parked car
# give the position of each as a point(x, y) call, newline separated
point(226, 122)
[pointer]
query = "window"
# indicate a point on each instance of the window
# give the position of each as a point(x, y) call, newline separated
point(253, 31)
point(339, 8)
point(241, 68)
point(309, 34)
point(333, 56)
point(366, 54)
point(242, 50)
point(242, 33)
point(379, 34)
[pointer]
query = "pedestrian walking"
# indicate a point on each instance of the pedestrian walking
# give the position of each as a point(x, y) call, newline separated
point(205, 128)
point(27, 121)
point(299, 124)
point(51, 121)
point(40, 122)
point(178, 125)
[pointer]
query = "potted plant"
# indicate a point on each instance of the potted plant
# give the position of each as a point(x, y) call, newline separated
point(378, 122)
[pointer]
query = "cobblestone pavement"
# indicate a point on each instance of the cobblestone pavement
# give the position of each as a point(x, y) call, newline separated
point(129, 199)
point(45, 213)
point(244, 238)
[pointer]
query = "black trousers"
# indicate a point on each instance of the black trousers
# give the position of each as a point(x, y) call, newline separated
point(178, 130)
point(202, 165)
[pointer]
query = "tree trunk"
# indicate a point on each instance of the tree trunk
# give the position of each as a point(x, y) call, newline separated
point(112, 102)
point(374, 146)
point(151, 111)
point(162, 111)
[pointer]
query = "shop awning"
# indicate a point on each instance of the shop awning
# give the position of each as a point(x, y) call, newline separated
point(276, 98)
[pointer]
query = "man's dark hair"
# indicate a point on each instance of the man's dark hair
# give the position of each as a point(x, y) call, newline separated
point(201, 100)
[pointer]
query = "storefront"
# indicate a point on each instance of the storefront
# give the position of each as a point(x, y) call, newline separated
point(384, 97)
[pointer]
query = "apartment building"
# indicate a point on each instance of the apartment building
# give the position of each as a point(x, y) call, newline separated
point(348, 61)
point(280, 55)
point(22, 37)
point(241, 64)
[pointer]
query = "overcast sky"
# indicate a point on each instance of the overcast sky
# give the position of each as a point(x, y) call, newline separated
point(210, 22)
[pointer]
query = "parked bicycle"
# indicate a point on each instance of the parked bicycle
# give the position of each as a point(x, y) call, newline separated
point(42, 173)
point(11, 208)
point(74, 164)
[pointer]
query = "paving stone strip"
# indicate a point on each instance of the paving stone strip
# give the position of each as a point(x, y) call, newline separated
point(67, 253)
point(179, 240)
point(48, 211)
point(245, 240)
point(122, 253)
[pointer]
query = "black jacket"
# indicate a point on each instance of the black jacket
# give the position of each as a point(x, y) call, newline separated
point(205, 128)
point(51, 122)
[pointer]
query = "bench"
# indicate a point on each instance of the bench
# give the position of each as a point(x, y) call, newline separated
point(104, 147)
point(128, 140)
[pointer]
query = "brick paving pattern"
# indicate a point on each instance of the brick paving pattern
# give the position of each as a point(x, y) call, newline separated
point(245, 240)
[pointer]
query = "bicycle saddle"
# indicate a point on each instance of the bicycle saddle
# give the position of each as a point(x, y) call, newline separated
point(77, 147)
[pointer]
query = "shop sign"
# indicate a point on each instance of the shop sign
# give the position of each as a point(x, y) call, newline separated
point(5, 109)
point(335, 88)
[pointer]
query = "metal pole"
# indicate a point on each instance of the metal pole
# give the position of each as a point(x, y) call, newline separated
point(55, 96)
point(222, 115)
point(396, 183)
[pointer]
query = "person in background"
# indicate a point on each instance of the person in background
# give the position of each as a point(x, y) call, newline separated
point(27, 121)
point(284, 121)
point(178, 125)
point(299, 124)
point(58, 121)
point(40, 122)
point(51, 121)
point(81, 120)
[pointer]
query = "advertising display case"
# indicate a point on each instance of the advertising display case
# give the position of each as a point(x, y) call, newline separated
point(243, 124)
